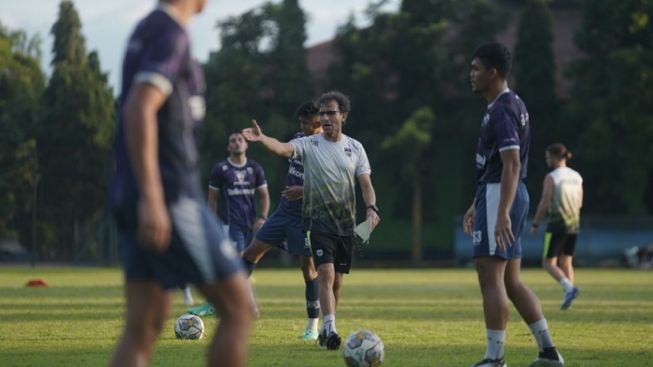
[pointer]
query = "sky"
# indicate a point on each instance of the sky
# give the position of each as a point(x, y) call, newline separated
point(106, 25)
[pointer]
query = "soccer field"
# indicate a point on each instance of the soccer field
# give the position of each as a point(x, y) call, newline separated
point(425, 318)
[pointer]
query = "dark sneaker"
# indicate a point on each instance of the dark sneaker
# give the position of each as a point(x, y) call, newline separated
point(569, 298)
point(548, 358)
point(322, 338)
point(487, 362)
point(333, 341)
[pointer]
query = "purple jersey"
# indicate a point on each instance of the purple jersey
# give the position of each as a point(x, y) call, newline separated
point(158, 53)
point(237, 187)
point(505, 126)
point(295, 178)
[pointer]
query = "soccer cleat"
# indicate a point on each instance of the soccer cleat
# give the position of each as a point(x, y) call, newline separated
point(332, 342)
point(548, 358)
point(569, 298)
point(487, 362)
point(204, 309)
point(310, 335)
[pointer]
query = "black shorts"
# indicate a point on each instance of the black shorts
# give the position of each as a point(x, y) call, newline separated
point(332, 249)
point(557, 244)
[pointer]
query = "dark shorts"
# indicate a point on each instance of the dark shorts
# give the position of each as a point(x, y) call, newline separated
point(241, 237)
point(286, 232)
point(487, 204)
point(557, 244)
point(332, 249)
point(199, 252)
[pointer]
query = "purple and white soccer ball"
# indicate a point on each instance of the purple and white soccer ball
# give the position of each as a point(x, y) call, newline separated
point(189, 326)
point(363, 348)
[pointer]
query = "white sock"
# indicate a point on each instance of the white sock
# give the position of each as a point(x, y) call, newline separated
point(495, 342)
point(311, 324)
point(566, 285)
point(329, 324)
point(540, 330)
point(188, 296)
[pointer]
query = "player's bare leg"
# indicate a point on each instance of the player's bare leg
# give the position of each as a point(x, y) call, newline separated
point(550, 264)
point(337, 286)
point(232, 300)
point(329, 335)
point(530, 309)
point(490, 271)
point(567, 267)
point(148, 305)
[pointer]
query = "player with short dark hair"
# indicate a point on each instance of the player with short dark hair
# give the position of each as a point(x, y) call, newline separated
point(562, 198)
point(284, 228)
point(332, 161)
point(166, 234)
point(497, 215)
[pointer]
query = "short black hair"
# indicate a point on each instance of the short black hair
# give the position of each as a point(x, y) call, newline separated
point(308, 108)
point(235, 131)
point(343, 101)
point(494, 56)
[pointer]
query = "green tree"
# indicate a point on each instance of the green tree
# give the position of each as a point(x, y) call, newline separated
point(534, 73)
point(411, 142)
point(611, 109)
point(260, 72)
point(75, 137)
point(21, 85)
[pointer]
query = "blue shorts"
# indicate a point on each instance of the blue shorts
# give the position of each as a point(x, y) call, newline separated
point(286, 232)
point(199, 251)
point(241, 237)
point(487, 204)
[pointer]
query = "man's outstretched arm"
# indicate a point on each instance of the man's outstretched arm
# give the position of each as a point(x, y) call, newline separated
point(254, 133)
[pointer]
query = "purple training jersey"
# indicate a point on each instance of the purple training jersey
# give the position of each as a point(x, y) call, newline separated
point(158, 53)
point(237, 187)
point(505, 126)
point(295, 178)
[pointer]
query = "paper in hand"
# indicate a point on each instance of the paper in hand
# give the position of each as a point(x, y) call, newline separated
point(363, 230)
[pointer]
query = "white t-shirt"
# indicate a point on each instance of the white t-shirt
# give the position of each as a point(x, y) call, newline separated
point(566, 201)
point(330, 169)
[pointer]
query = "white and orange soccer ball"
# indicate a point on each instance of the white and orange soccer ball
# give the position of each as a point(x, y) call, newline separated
point(363, 348)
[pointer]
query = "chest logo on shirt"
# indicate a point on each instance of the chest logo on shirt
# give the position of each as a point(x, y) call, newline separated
point(224, 168)
point(348, 152)
point(240, 177)
point(314, 142)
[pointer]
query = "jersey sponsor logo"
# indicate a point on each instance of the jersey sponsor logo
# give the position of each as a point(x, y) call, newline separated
point(480, 160)
point(238, 192)
point(477, 236)
point(319, 253)
point(348, 152)
point(197, 107)
point(295, 172)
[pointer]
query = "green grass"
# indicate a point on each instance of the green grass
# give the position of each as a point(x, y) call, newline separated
point(425, 318)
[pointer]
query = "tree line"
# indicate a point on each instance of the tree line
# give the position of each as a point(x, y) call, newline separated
point(407, 76)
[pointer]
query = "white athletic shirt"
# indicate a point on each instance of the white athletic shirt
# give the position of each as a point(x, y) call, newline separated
point(330, 169)
point(566, 201)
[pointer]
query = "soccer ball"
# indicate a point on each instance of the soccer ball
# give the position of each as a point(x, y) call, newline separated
point(363, 348)
point(189, 327)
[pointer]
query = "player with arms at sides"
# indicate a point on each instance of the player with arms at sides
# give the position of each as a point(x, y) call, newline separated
point(496, 217)
point(332, 161)
point(166, 234)
point(284, 228)
point(562, 198)
point(233, 186)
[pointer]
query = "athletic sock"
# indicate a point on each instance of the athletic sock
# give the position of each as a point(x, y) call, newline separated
point(329, 324)
point(495, 342)
point(311, 324)
point(249, 267)
point(566, 285)
point(540, 330)
point(312, 299)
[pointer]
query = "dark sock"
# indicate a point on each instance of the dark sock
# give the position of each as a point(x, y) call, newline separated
point(249, 267)
point(312, 300)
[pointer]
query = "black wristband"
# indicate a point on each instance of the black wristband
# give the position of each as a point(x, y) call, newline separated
point(374, 207)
